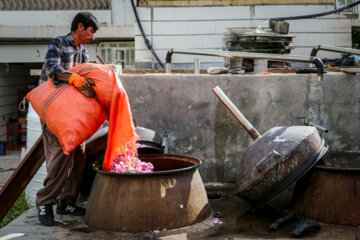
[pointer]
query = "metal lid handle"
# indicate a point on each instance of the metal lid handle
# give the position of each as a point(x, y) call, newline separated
point(236, 112)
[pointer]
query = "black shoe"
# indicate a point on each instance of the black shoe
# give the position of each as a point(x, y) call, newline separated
point(46, 214)
point(71, 209)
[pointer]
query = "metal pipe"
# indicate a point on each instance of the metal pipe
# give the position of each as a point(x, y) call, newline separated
point(240, 55)
point(334, 49)
point(251, 55)
point(236, 112)
point(168, 62)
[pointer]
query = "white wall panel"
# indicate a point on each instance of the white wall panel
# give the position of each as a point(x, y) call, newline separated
point(168, 42)
point(36, 32)
point(165, 42)
point(146, 27)
point(343, 40)
point(48, 18)
point(202, 27)
point(212, 41)
point(313, 39)
point(273, 11)
point(121, 13)
point(190, 41)
point(171, 28)
point(144, 13)
point(27, 53)
point(321, 25)
point(222, 26)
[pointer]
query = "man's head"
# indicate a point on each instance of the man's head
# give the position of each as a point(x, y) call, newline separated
point(84, 26)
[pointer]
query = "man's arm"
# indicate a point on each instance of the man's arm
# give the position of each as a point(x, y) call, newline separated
point(55, 71)
point(53, 58)
point(82, 84)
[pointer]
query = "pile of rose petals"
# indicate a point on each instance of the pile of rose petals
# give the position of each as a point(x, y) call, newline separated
point(130, 163)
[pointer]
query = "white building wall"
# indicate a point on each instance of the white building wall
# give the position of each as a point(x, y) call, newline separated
point(178, 27)
point(27, 53)
point(204, 28)
point(48, 24)
point(34, 29)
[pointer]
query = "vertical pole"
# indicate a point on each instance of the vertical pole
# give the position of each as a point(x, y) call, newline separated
point(197, 66)
point(168, 67)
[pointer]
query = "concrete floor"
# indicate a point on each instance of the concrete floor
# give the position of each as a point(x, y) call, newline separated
point(8, 163)
point(238, 223)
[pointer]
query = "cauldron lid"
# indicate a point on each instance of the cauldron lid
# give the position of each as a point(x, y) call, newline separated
point(311, 162)
point(281, 156)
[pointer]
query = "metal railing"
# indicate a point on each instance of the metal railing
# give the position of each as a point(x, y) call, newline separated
point(341, 3)
point(48, 5)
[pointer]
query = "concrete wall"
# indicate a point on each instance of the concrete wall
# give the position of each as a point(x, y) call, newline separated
point(204, 28)
point(200, 126)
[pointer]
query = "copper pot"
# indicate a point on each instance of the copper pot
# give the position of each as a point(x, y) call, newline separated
point(331, 191)
point(173, 196)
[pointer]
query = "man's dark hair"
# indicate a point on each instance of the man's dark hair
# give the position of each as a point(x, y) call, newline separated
point(87, 19)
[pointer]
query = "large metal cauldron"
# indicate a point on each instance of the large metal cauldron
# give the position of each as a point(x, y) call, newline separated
point(172, 196)
point(331, 191)
point(275, 160)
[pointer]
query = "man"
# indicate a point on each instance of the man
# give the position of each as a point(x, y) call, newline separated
point(64, 172)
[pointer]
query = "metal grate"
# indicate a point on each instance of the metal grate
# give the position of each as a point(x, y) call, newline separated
point(46, 5)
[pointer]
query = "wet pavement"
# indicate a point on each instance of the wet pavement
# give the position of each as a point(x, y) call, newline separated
point(230, 219)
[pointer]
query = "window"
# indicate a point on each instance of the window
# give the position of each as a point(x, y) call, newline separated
point(121, 53)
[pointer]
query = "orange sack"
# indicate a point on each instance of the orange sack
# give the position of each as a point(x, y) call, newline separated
point(73, 118)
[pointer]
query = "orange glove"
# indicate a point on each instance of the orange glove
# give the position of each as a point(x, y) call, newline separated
point(83, 85)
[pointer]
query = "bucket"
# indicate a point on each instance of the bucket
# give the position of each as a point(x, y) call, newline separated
point(2, 148)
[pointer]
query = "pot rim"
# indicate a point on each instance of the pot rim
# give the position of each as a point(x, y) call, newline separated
point(97, 169)
point(338, 169)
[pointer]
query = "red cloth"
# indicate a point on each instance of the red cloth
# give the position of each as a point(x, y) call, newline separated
point(121, 135)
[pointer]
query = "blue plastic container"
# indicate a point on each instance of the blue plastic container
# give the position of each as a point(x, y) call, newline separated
point(2, 148)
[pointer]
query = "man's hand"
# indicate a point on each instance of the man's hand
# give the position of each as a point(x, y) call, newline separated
point(83, 85)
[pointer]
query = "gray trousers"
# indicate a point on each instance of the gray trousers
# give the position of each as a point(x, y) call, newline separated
point(64, 172)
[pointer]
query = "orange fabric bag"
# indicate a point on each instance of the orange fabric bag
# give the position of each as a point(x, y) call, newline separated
point(73, 118)
point(68, 114)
